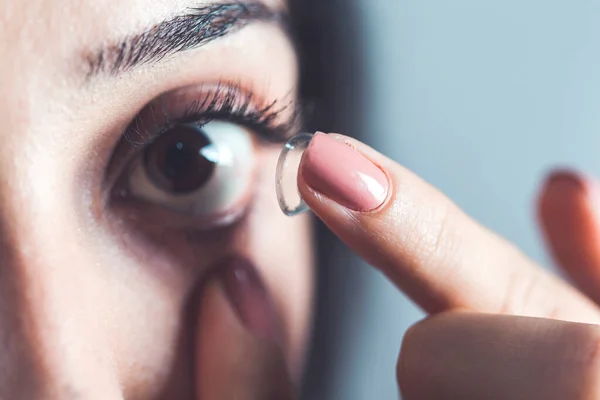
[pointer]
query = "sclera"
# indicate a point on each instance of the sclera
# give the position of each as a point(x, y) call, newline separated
point(288, 195)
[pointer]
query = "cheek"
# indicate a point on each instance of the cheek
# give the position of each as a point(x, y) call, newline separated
point(150, 284)
point(150, 279)
point(144, 324)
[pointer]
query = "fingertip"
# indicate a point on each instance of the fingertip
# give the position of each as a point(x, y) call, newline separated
point(570, 221)
point(334, 168)
point(237, 352)
point(562, 208)
point(563, 191)
point(568, 181)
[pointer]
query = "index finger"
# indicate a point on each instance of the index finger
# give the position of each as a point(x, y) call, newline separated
point(423, 242)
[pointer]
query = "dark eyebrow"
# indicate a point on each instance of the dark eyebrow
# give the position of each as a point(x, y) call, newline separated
point(193, 29)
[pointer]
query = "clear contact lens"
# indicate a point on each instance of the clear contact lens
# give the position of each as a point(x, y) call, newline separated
point(289, 198)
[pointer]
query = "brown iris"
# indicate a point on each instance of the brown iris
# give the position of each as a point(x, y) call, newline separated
point(179, 161)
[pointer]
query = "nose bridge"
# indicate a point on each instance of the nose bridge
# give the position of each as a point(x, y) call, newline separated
point(50, 338)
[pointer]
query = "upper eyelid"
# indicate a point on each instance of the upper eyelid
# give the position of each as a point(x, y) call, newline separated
point(274, 120)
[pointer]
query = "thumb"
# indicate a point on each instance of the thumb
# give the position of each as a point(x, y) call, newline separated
point(238, 352)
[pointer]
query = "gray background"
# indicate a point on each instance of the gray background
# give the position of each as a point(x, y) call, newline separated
point(480, 98)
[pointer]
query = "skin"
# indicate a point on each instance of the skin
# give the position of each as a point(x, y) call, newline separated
point(96, 305)
point(500, 326)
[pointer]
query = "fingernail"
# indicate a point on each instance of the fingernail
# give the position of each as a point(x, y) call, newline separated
point(567, 177)
point(336, 170)
point(251, 301)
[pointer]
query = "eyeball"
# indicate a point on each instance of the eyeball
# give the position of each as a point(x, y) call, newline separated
point(290, 200)
point(195, 169)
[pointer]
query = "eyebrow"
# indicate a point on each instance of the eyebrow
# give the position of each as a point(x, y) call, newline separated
point(193, 29)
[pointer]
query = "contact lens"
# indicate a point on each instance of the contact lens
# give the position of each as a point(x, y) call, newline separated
point(290, 200)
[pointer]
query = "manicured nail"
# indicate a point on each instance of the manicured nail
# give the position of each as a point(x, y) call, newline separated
point(566, 177)
point(251, 301)
point(335, 169)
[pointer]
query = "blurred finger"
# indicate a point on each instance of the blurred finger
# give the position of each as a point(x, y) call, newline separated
point(238, 350)
point(475, 356)
point(422, 241)
point(570, 219)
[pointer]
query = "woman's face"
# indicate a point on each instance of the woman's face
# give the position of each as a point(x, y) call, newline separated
point(137, 166)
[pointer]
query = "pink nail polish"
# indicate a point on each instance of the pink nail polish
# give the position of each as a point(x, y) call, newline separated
point(568, 178)
point(251, 300)
point(343, 174)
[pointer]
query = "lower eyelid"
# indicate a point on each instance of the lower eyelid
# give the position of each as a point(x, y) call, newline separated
point(148, 216)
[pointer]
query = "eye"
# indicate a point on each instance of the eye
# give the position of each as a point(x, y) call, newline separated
point(190, 158)
point(197, 169)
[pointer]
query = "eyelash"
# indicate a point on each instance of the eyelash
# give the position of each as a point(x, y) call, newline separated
point(225, 102)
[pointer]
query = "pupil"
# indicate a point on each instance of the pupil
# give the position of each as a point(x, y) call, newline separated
point(175, 162)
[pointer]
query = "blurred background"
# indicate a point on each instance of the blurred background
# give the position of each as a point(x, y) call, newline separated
point(481, 98)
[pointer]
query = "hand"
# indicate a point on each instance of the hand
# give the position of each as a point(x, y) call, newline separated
point(253, 366)
point(502, 327)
